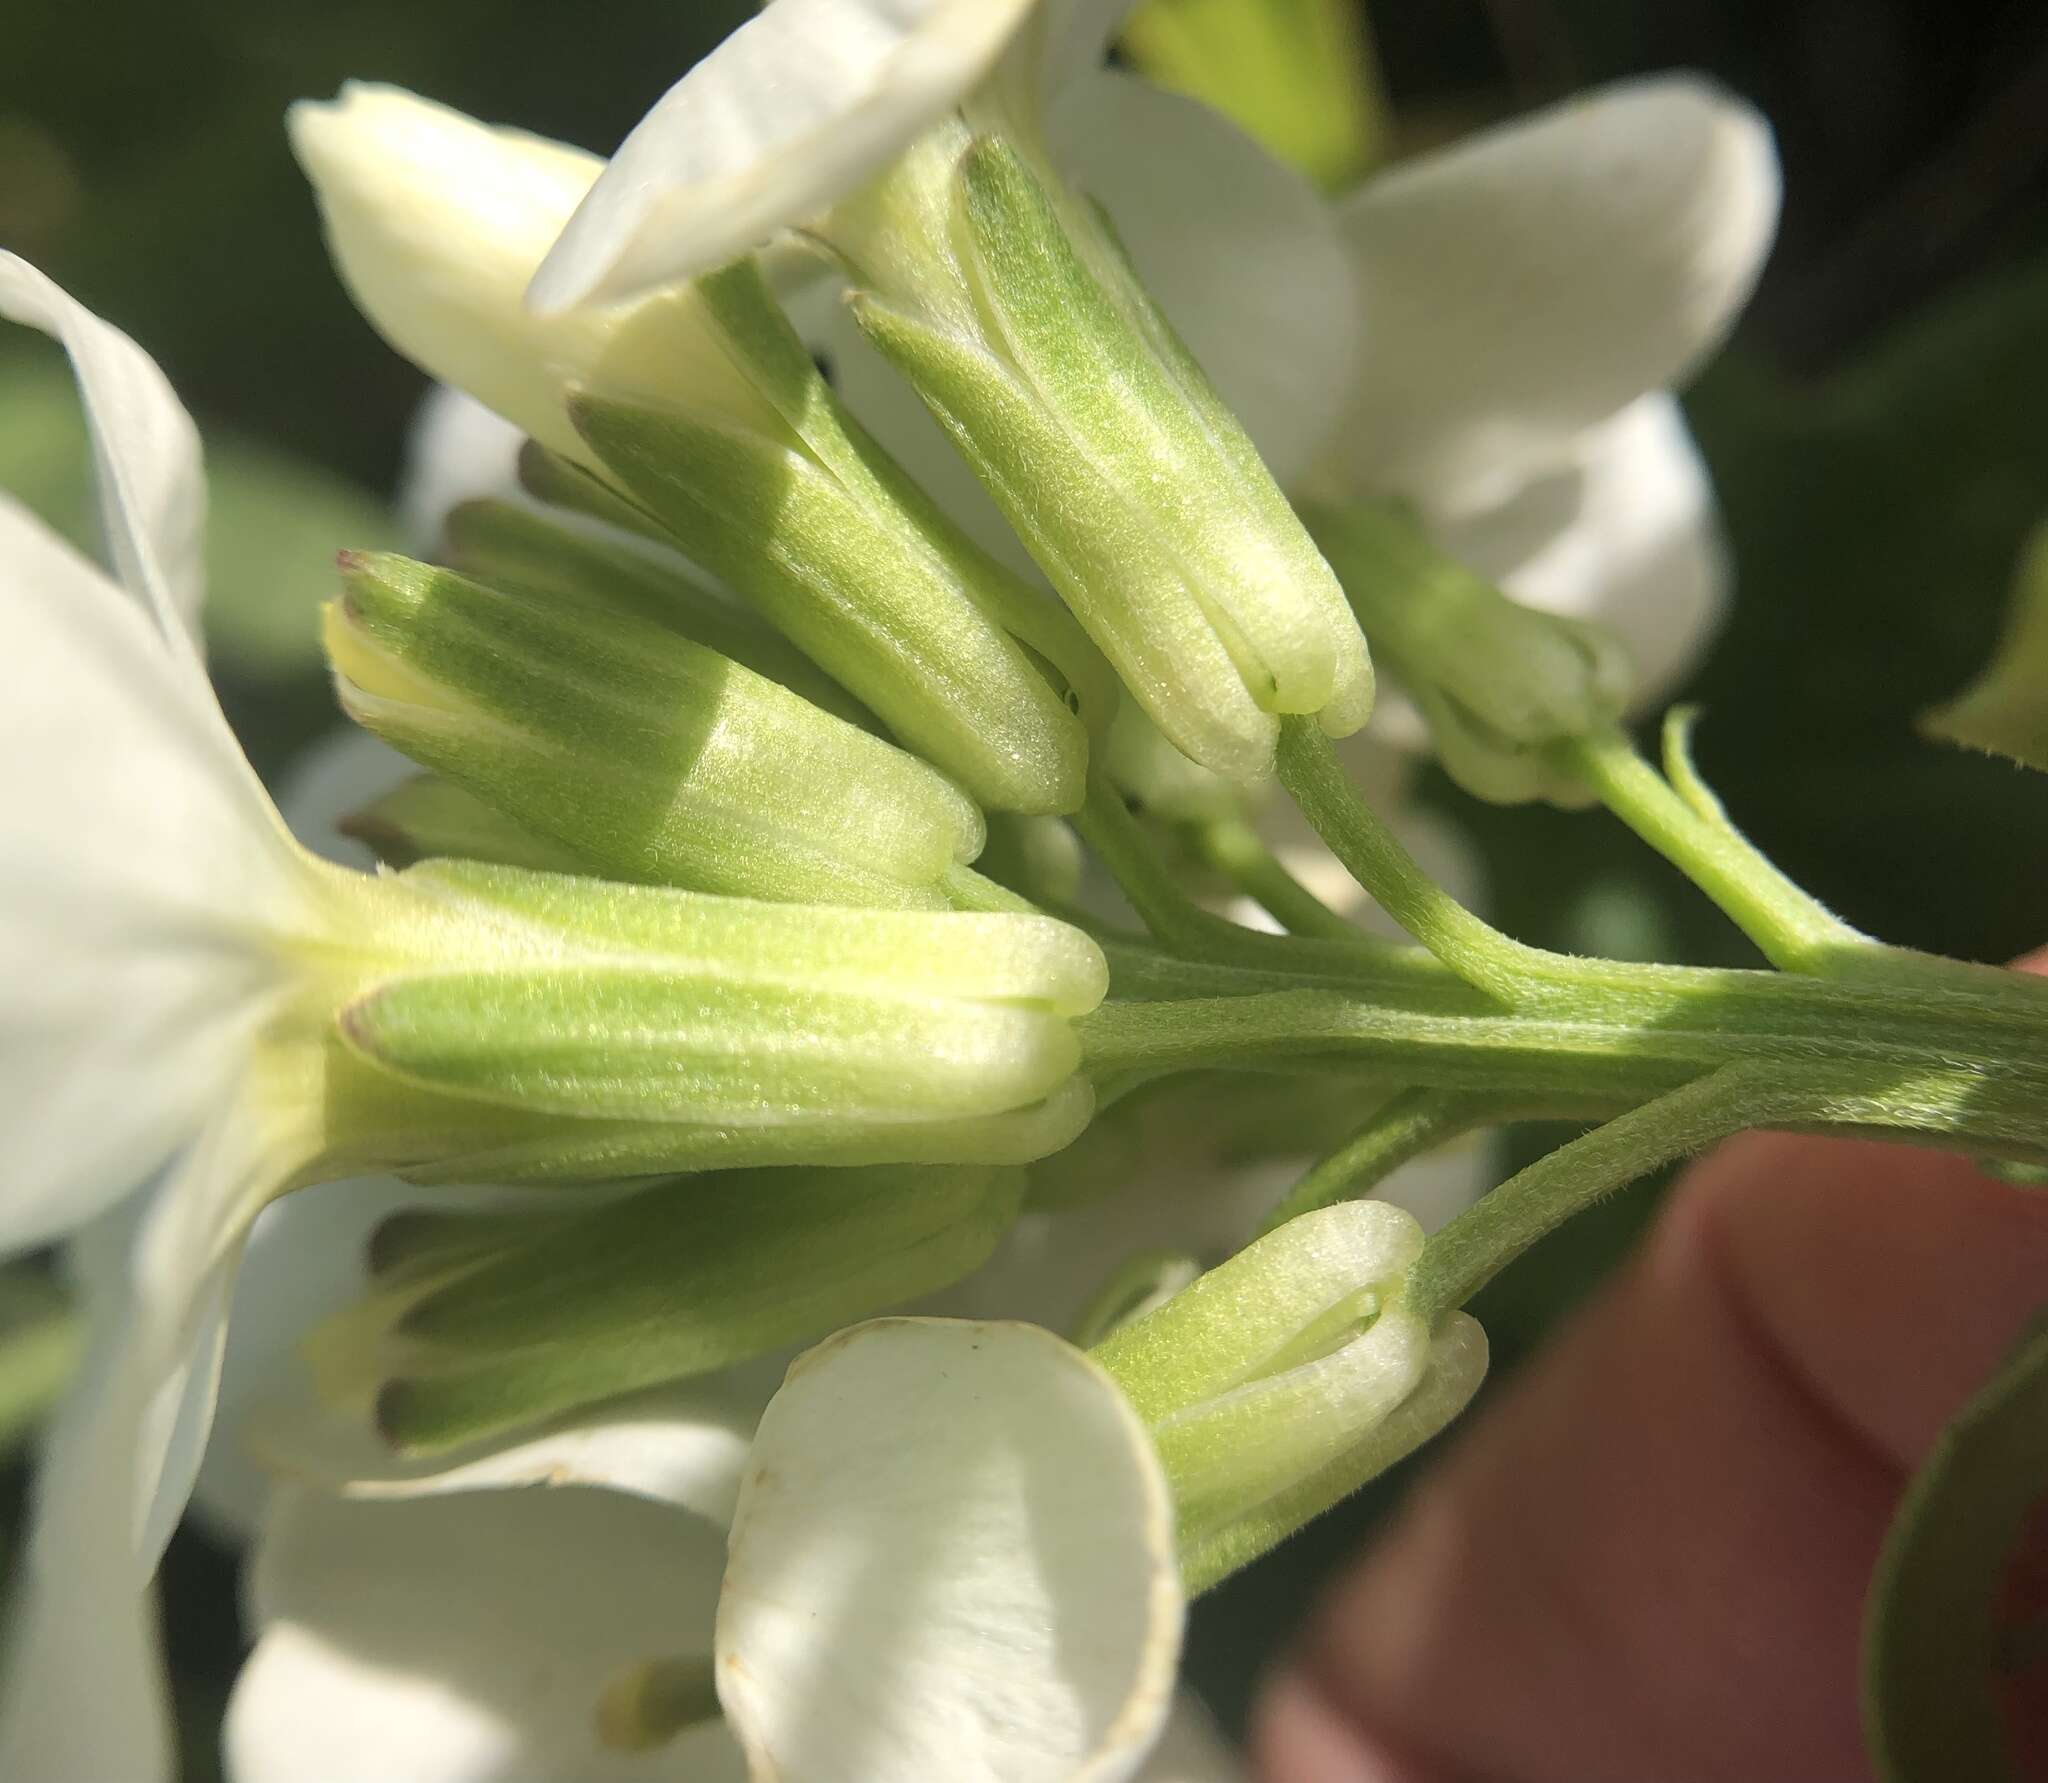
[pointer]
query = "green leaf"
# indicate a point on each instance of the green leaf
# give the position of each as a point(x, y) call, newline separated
point(2005, 710)
point(1931, 1650)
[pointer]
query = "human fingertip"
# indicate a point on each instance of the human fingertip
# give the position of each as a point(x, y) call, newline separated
point(1299, 1735)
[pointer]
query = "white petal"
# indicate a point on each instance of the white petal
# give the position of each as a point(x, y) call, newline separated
point(1242, 253)
point(469, 1640)
point(1191, 1750)
point(952, 1558)
point(796, 108)
point(1624, 534)
point(1533, 281)
point(436, 223)
point(685, 1447)
point(1073, 38)
point(137, 858)
point(82, 1697)
point(145, 448)
point(456, 451)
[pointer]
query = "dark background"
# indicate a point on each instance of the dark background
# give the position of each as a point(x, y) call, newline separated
point(1879, 435)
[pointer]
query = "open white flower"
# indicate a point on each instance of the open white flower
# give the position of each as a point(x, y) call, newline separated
point(145, 874)
point(928, 1507)
point(177, 969)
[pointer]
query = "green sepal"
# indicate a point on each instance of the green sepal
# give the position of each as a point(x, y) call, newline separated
point(424, 817)
point(2005, 710)
point(860, 592)
point(507, 546)
point(1455, 1369)
point(1932, 1640)
point(646, 756)
point(382, 1122)
point(1498, 682)
point(678, 1042)
point(676, 1280)
point(1122, 580)
point(609, 1002)
point(1270, 1367)
point(1063, 308)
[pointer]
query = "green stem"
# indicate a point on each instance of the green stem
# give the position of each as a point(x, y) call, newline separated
point(1234, 849)
point(1185, 928)
point(1792, 930)
point(1414, 1122)
point(1476, 951)
point(1483, 1240)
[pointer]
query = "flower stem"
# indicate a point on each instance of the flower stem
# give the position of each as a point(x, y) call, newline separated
point(1793, 930)
point(1233, 848)
point(1480, 1242)
point(1414, 1122)
point(1475, 950)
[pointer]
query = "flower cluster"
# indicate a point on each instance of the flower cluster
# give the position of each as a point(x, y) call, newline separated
point(927, 436)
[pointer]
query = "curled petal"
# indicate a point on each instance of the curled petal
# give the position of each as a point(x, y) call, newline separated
point(796, 108)
point(146, 450)
point(137, 855)
point(1534, 281)
point(952, 1558)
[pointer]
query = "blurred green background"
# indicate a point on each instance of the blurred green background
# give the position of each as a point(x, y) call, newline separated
point(1879, 434)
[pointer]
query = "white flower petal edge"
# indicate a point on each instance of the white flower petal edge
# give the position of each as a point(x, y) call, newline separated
point(952, 1556)
point(139, 866)
point(1535, 280)
point(84, 1692)
point(152, 494)
point(449, 1641)
point(796, 107)
point(130, 824)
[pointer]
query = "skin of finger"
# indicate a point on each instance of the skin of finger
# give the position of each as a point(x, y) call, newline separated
point(1649, 1560)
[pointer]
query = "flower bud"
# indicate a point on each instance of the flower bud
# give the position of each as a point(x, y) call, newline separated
point(513, 547)
point(1497, 682)
point(1011, 308)
point(701, 401)
point(618, 1003)
point(647, 756)
point(1268, 1369)
point(479, 1323)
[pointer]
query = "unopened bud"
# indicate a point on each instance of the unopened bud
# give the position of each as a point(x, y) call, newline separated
point(648, 757)
point(1498, 683)
point(544, 1312)
point(1011, 308)
point(631, 1004)
point(1265, 1370)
